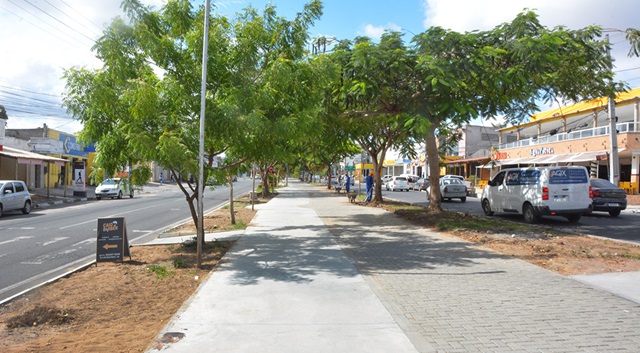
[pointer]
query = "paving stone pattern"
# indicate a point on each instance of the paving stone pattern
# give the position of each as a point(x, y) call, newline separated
point(450, 295)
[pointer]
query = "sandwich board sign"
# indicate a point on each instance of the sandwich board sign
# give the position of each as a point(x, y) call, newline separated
point(112, 244)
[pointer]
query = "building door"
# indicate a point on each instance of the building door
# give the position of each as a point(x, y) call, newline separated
point(38, 176)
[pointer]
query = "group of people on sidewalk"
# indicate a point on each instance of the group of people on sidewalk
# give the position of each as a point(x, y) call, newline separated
point(369, 185)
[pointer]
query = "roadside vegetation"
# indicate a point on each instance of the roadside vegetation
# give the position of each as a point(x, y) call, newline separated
point(564, 253)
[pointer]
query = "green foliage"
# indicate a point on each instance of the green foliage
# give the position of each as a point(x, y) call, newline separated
point(140, 175)
point(240, 225)
point(180, 262)
point(160, 271)
point(260, 89)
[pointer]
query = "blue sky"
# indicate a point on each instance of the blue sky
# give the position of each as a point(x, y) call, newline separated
point(40, 38)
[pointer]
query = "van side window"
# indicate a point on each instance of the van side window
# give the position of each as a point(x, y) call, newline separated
point(568, 176)
point(523, 177)
point(498, 179)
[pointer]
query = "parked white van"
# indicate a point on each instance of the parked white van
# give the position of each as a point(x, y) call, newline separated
point(537, 191)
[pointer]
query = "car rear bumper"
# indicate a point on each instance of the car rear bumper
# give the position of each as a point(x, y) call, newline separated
point(609, 206)
point(545, 210)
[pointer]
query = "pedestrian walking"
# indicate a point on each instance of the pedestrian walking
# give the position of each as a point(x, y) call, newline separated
point(161, 179)
point(348, 186)
point(369, 183)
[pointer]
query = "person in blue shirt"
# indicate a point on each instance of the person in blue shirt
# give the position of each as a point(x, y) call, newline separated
point(348, 186)
point(369, 183)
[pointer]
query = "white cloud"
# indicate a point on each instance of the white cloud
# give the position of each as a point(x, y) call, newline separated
point(469, 15)
point(40, 40)
point(376, 32)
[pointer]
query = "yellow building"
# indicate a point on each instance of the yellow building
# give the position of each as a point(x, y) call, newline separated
point(579, 134)
point(78, 159)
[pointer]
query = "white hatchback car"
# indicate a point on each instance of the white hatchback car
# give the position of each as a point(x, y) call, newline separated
point(14, 195)
point(114, 187)
point(397, 183)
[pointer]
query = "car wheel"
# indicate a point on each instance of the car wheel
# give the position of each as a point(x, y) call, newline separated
point(98, 197)
point(590, 210)
point(529, 214)
point(131, 194)
point(486, 207)
point(0, 210)
point(614, 213)
point(574, 218)
point(463, 199)
point(27, 207)
point(119, 194)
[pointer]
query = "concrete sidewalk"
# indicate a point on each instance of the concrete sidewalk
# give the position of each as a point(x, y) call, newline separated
point(286, 286)
point(317, 274)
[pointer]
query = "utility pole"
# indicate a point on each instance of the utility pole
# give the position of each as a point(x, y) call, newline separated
point(614, 176)
point(203, 100)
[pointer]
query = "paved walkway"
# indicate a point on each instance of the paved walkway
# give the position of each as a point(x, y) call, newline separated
point(290, 285)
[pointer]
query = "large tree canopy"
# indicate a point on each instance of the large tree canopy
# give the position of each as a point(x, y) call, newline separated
point(144, 104)
point(446, 79)
point(373, 93)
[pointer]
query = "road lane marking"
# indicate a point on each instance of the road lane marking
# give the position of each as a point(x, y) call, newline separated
point(113, 215)
point(15, 239)
point(54, 240)
point(87, 241)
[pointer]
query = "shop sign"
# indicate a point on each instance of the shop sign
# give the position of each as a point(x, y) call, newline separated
point(71, 146)
point(541, 151)
point(497, 155)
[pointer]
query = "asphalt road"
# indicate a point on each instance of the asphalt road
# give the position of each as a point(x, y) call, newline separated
point(49, 242)
point(623, 227)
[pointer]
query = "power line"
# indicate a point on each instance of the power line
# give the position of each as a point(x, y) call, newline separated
point(38, 26)
point(72, 18)
point(62, 23)
point(82, 15)
point(28, 91)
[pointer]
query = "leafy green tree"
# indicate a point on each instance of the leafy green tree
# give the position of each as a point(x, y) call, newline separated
point(144, 104)
point(373, 93)
point(446, 79)
point(504, 71)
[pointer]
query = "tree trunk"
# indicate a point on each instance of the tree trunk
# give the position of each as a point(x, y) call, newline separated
point(265, 181)
point(329, 177)
point(377, 180)
point(377, 167)
point(434, 169)
point(232, 213)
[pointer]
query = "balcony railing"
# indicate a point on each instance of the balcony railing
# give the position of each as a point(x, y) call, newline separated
point(573, 135)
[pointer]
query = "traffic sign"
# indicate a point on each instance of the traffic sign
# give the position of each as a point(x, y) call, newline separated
point(350, 168)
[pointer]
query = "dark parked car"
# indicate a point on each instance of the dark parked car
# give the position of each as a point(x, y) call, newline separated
point(421, 184)
point(607, 197)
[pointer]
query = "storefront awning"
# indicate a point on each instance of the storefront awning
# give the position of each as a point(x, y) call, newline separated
point(556, 158)
point(26, 157)
point(469, 160)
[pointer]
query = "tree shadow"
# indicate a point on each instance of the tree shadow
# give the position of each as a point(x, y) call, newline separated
point(372, 242)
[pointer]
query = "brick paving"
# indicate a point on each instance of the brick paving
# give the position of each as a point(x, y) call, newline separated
point(450, 295)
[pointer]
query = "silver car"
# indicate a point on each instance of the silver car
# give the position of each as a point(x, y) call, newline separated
point(14, 195)
point(451, 188)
